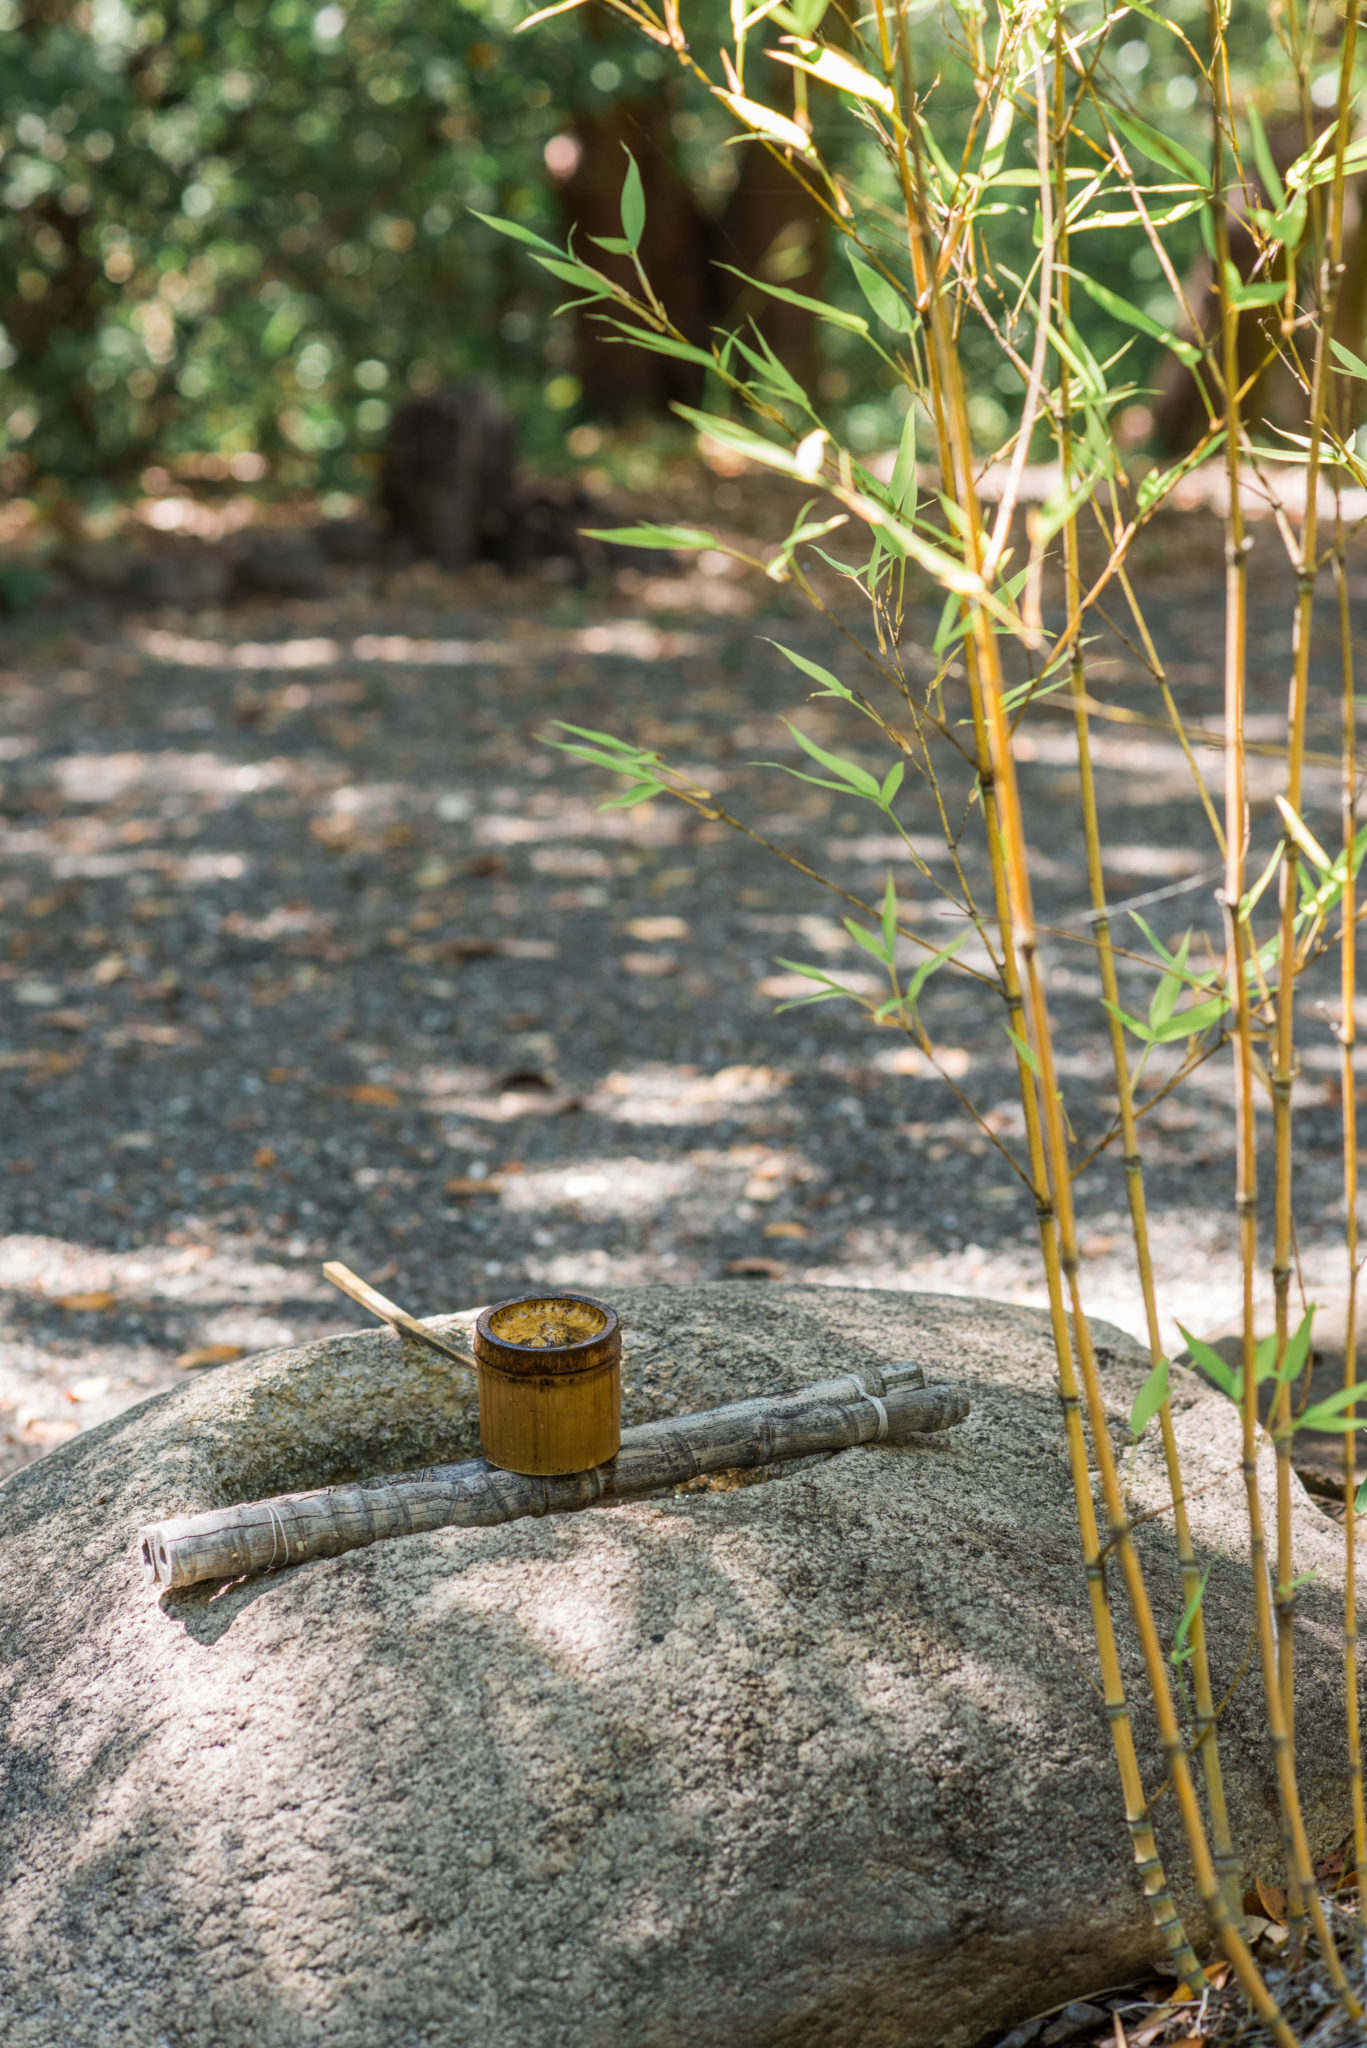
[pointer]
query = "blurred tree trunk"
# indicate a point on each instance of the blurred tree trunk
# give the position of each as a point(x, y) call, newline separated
point(768, 227)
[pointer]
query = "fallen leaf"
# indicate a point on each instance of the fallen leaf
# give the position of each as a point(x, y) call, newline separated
point(649, 963)
point(788, 1229)
point(264, 1155)
point(1272, 1899)
point(374, 1094)
point(65, 1020)
point(462, 1186)
point(89, 1389)
point(209, 1354)
point(100, 1297)
point(1098, 1247)
point(653, 929)
point(276, 1074)
point(754, 1269)
point(110, 969)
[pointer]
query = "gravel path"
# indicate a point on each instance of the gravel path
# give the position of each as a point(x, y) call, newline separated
point(313, 952)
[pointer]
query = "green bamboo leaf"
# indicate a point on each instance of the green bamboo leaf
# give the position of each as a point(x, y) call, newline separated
point(516, 232)
point(1262, 156)
point(1131, 1024)
point(1243, 295)
point(902, 489)
point(633, 204)
point(1027, 1052)
point(853, 323)
point(1212, 1364)
point(1181, 1649)
point(849, 773)
point(1297, 1349)
point(931, 965)
point(870, 941)
point(640, 793)
point(892, 782)
point(887, 302)
point(1160, 148)
point(648, 536)
point(1134, 316)
point(1149, 1399)
point(1346, 360)
point(660, 344)
point(1187, 1023)
point(578, 274)
point(1360, 1498)
point(828, 990)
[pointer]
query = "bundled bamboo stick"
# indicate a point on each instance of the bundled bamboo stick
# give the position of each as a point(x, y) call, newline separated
point(833, 1415)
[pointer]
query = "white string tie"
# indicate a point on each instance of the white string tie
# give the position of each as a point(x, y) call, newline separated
point(280, 1538)
point(882, 1417)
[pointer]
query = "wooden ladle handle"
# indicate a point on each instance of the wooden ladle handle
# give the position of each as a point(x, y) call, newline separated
point(390, 1312)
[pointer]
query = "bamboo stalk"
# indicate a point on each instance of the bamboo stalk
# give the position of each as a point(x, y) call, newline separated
point(1348, 1042)
point(958, 472)
point(1225, 1857)
point(1302, 1893)
point(1058, 1165)
point(866, 1407)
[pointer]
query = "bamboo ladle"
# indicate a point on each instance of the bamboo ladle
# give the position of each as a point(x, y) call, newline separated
point(390, 1312)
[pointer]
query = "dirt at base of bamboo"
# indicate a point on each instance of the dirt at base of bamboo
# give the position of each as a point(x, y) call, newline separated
point(867, 1407)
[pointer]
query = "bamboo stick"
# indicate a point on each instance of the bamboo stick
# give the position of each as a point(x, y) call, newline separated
point(867, 1407)
point(390, 1312)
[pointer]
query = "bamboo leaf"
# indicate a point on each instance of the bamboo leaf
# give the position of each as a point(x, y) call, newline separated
point(1303, 836)
point(1131, 1024)
point(831, 685)
point(930, 966)
point(833, 69)
point(853, 323)
point(1347, 361)
point(887, 302)
point(648, 536)
point(1297, 1349)
point(764, 121)
point(1149, 1399)
point(889, 917)
point(1181, 1649)
point(870, 941)
point(1160, 148)
point(1027, 1052)
point(1212, 1364)
point(849, 772)
point(633, 204)
point(1134, 316)
point(1262, 156)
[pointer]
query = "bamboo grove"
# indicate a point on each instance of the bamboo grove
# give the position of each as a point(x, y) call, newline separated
point(1053, 139)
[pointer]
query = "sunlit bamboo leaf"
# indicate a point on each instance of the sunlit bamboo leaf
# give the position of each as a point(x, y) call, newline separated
point(764, 121)
point(1149, 1399)
point(833, 69)
point(1212, 1364)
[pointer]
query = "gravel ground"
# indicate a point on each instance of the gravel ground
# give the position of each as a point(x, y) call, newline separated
point(313, 952)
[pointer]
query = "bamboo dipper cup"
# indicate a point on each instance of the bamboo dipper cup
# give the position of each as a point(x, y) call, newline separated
point(549, 1368)
point(550, 1383)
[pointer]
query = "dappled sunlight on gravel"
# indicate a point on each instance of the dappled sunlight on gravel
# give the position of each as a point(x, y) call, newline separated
point(313, 950)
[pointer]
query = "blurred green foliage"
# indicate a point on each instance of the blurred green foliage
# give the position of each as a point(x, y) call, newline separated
point(233, 236)
point(241, 230)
